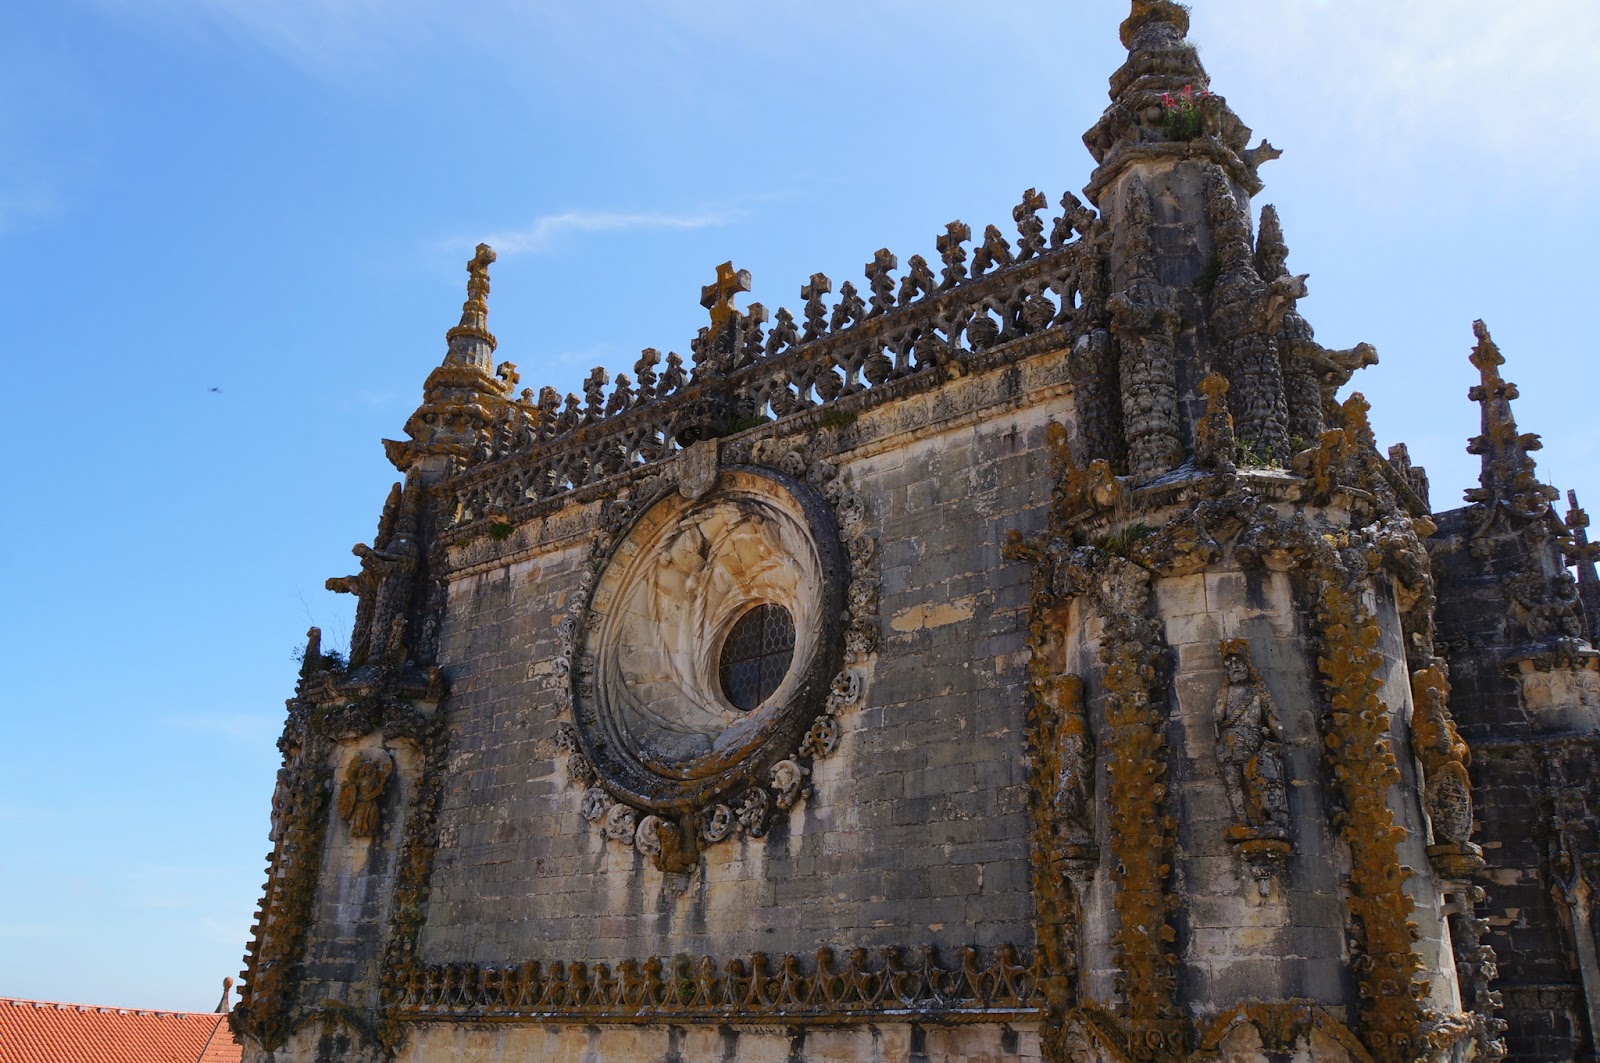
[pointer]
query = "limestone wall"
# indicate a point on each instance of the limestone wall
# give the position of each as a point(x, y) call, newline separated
point(880, 1043)
point(916, 829)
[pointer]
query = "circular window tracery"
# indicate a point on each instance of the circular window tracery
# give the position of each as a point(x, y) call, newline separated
point(709, 641)
point(756, 655)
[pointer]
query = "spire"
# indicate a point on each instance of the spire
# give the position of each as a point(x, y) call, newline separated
point(466, 398)
point(1162, 107)
point(1272, 251)
point(1507, 479)
point(471, 341)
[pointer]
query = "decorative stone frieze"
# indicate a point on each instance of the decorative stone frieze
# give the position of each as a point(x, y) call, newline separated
point(864, 986)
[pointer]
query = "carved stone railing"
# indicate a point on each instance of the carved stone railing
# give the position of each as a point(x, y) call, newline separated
point(862, 988)
point(545, 448)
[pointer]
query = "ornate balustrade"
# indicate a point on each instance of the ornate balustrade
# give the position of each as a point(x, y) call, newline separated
point(917, 326)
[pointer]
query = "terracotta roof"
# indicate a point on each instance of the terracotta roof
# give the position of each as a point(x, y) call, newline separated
point(38, 1031)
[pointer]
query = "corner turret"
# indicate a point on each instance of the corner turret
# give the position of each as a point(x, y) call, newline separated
point(1191, 291)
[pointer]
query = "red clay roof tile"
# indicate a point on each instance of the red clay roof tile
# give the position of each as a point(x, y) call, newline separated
point(37, 1031)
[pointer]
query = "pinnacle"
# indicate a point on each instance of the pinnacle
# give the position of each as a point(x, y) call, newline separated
point(1158, 13)
point(1272, 251)
point(1162, 109)
point(475, 311)
point(1508, 475)
point(1486, 356)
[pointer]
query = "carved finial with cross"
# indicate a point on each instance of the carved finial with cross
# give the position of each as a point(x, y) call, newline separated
point(475, 311)
point(879, 282)
point(954, 255)
point(816, 312)
point(718, 297)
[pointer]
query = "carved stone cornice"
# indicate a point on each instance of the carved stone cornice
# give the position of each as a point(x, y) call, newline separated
point(877, 986)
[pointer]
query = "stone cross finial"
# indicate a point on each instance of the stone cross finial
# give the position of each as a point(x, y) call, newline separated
point(1030, 228)
point(816, 313)
point(879, 282)
point(718, 297)
point(954, 255)
point(478, 269)
point(475, 311)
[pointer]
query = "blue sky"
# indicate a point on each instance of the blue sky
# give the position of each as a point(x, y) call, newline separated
point(276, 198)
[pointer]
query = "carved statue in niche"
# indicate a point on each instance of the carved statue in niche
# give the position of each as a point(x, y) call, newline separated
point(1072, 802)
point(365, 779)
point(1446, 789)
point(1250, 751)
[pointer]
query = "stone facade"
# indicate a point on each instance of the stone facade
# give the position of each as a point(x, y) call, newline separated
point(1024, 658)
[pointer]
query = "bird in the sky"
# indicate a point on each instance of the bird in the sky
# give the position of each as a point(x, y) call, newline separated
point(216, 391)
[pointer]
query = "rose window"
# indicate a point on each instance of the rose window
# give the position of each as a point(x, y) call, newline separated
point(711, 637)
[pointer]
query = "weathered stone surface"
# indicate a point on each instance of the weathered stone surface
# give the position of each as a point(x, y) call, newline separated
point(1028, 661)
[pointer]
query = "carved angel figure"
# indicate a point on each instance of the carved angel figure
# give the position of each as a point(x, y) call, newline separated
point(364, 782)
point(1250, 746)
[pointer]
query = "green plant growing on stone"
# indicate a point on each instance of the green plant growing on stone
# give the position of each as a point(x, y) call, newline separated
point(1251, 456)
point(1182, 115)
point(500, 530)
point(331, 660)
point(836, 419)
point(754, 420)
point(1121, 542)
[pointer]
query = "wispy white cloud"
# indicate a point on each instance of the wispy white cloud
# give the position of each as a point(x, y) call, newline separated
point(1406, 86)
point(546, 231)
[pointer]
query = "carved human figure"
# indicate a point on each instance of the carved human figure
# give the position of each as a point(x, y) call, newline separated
point(365, 779)
point(1250, 747)
point(1447, 789)
point(1072, 799)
